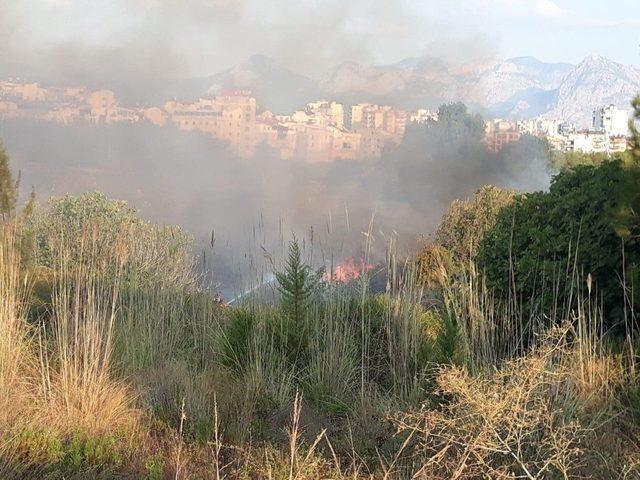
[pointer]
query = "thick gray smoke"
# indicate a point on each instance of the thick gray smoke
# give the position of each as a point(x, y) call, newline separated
point(146, 50)
point(150, 50)
point(254, 205)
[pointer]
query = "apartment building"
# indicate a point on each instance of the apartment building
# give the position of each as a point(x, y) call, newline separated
point(499, 132)
point(376, 117)
point(611, 120)
point(229, 116)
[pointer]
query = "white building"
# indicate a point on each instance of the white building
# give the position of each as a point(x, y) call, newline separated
point(611, 120)
point(589, 142)
point(326, 113)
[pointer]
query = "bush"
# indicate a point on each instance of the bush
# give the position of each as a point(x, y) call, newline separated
point(540, 416)
point(545, 246)
point(465, 223)
point(110, 236)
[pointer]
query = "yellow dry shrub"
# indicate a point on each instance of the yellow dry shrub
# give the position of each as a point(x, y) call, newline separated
point(534, 417)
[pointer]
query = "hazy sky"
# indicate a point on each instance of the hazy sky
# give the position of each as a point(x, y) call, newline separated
point(201, 37)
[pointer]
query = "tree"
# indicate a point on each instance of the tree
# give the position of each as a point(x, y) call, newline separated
point(627, 216)
point(97, 231)
point(634, 125)
point(466, 222)
point(456, 123)
point(296, 284)
point(8, 187)
point(531, 251)
point(561, 161)
point(434, 158)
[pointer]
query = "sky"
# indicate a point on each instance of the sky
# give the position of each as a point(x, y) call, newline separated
point(167, 38)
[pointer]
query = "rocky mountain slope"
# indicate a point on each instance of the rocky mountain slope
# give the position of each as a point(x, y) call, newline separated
point(521, 87)
point(502, 81)
point(275, 86)
point(595, 81)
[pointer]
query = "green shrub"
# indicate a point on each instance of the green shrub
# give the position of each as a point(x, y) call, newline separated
point(37, 447)
point(98, 232)
point(545, 245)
point(154, 466)
point(83, 453)
point(236, 337)
point(44, 453)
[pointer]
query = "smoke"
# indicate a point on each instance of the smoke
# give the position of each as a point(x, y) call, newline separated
point(251, 207)
point(147, 50)
point(150, 50)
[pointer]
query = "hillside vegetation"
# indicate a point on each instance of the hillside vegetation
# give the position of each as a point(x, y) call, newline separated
point(507, 349)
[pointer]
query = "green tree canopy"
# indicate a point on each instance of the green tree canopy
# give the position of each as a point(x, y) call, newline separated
point(561, 161)
point(456, 123)
point(466, 222)
point(109, 234)
point(530, 252)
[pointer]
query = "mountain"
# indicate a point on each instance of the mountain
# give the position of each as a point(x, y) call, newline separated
point(429, 81)
point(355, 79)
point(421, 81)
point(502, 81)
point(596, 81)
point(521, 87)
point(275, 87)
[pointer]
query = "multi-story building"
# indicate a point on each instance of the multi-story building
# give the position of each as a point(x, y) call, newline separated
point(377, 117)
point(423, 116)
point(611, 120)
point(229, 116)
point(29, 92)
point(589, 141)
point(373, 141)
point(500, 132)
point(101, 104)
point(314, 143)
point(272, 132)
point(324, 113)
point(346, 145)
point(618, 144)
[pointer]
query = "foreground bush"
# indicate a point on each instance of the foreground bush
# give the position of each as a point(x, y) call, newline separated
point(110, 236)
point(550, 414)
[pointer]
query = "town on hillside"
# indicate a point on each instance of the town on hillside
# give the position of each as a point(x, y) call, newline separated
point(322, 131)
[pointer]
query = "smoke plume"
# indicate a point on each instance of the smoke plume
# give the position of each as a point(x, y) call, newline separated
point(252, 206)
point(150, 50)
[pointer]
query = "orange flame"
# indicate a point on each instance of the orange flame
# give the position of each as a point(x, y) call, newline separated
point(347, 271)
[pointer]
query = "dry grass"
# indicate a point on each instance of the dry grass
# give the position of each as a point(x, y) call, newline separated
point(132, 366)
point(55, 378)
point(539, 416)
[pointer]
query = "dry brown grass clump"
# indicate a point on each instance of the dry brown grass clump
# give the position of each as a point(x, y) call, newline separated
point(540, 416)
point(57, 391)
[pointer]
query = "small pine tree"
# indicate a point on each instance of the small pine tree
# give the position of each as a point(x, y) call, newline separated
point(8, 188)
point(449, 342)
point(296, 284)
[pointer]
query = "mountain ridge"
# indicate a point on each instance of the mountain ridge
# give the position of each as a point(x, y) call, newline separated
point(519, 87)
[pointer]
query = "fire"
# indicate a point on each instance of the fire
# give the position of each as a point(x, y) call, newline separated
point(347, 271)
